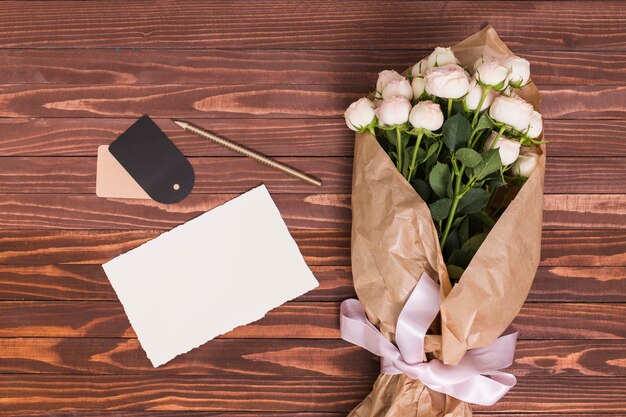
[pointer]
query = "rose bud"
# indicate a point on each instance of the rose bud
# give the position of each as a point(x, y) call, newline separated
point(492, 73)
point(440, 57)
point(507, 148)
point(398, 87)
point(512, 111)
point(418, 85)
point(394, 111)
point(475, 94)
point(426, 115)
point(360, 114)
point(448, 81)
point(384, 77)
point(420, 68)
point(536, 125)
point(519, 71)
point(525, 164)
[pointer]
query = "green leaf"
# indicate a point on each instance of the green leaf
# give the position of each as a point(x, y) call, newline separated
point(456, 132)
point(455, 272)
point(468, 157)
point(483, 218)
point(473, 201)
point(439, 179)
point(422, 188)
point(464, 229)
point(431, 150)
point(474, 242)
point(440, 209)
point(484, 122)
point(460, 257)
point(491, 163)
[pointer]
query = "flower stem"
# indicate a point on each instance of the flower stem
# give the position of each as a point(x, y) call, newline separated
point(495, 142)
point(480, 104)
point(412, 167)
point(455, 203)
point(399, 149)
point(449, 107)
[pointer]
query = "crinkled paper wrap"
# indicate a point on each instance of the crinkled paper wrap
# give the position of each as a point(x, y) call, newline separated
point(394, 240)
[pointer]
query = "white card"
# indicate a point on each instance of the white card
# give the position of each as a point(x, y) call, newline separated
point(226, 268)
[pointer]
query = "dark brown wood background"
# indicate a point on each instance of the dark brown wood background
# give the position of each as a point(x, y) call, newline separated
point(277, 75)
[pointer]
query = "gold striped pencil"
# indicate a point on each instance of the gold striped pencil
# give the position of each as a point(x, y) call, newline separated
point(247, 152)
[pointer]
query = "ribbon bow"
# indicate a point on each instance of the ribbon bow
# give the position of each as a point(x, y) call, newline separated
point(476, 379)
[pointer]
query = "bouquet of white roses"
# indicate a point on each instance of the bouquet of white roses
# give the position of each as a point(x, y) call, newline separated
point(459, 136)
point(447, 199)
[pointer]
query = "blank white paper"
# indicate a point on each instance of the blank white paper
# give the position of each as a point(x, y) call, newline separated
point(226, 268)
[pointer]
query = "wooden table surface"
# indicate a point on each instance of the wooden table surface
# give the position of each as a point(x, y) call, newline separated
point(277, 76)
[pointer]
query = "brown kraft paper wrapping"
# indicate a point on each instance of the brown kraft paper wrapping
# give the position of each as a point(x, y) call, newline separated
point(394, 240)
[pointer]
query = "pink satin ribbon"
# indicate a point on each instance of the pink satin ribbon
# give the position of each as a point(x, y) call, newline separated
point(477, 379)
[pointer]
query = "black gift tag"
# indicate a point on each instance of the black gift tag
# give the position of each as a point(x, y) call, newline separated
point(154, 162)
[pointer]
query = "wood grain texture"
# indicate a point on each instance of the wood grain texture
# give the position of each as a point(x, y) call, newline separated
point(319, 247)
point(559, 248)
point(304, 320)
point(592, 25)
point(105, 413)
point(275, 137)
point(300, 211)
point(271, 66)
point(288, 394)
point(84, 282)
point(277, 76)
point(89, 282)
point(336, 358)
point(77, 175)
point(256, 101)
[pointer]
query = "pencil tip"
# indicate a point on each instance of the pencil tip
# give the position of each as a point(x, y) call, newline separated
point(180, 123)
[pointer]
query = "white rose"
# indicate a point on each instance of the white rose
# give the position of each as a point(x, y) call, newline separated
point(492, 73)
point(475, 94)
point(536, 125)
point(384, 77)
point(359, 114)
point(426, 115)
point(398, 87)
point(420, 68)
point(440, 57)
point(486, 58)
point(519, 71)
point(507, 148)
point(448, 81)
point(512, 111)
point(418, 85)
point(525, 164)
point(394, 111)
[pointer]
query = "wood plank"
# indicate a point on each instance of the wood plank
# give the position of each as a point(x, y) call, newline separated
point(256, 101)
point(276, 137)
point(43, 211)
point(319, 247)
point(89, 283)
point(306, 320)
point(77, 175)
point(592, 25)
point(288, 394)
point(300, 211)
point(271, 66)
point(559, 248)
point(336, 358)
point(46, 392)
